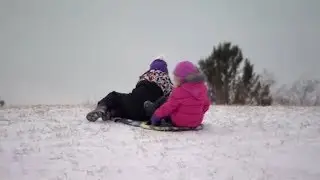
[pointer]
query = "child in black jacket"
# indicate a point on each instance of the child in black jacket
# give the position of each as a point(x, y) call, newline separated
point(152, 85)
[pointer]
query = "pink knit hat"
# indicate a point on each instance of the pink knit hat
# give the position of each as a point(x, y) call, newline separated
point(184, 69)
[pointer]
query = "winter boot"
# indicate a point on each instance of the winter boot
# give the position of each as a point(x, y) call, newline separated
point(107, 116)
point(149, 108)
point(99, 112)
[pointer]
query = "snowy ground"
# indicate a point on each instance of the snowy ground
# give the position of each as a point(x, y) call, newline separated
point(56, 142)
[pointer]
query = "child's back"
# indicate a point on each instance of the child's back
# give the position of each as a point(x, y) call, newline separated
point(189, 101)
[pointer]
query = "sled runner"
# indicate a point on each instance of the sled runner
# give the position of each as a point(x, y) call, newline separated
point(163, 127)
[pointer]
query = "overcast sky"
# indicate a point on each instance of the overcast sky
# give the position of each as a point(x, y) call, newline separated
point(70, 51)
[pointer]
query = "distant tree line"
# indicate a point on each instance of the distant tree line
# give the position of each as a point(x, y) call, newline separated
point(303, 92)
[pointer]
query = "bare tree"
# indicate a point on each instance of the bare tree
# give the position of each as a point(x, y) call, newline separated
point(267, 77)
point(2, 103)
point(302, 92)
point(305, 91)
point(281, 96)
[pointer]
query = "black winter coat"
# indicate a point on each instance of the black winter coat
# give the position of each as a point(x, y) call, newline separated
point(130, 105)
point(133, 102)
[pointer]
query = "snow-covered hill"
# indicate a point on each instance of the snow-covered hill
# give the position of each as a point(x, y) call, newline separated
point(240, 143)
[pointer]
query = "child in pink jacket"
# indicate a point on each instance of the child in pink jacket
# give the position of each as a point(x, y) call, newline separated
point(188, 102)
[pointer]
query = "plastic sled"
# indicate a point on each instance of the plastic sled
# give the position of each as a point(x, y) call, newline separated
point(163, 127)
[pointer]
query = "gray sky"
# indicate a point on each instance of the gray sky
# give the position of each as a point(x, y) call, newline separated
point(70, 51)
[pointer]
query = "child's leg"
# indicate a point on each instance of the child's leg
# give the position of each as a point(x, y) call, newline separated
point(104, 108)
point(160, 101)
point(168, 121)
point(165, 122)
point(150, 107)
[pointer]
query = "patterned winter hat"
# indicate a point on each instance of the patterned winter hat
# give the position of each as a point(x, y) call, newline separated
point(159, 64)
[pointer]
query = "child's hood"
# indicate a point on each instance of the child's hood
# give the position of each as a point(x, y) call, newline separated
point(194, 85)
point(195, 78)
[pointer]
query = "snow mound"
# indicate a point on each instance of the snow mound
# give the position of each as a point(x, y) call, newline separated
point(241, 143)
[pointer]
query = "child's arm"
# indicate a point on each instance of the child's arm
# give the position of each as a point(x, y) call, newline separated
point(168, 107)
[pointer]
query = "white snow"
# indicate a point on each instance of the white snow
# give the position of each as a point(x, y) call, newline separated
point(240, 143)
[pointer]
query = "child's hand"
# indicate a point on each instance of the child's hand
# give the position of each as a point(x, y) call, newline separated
point(155, 121)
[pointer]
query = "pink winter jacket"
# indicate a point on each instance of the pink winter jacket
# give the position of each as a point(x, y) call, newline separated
point(186, 105)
